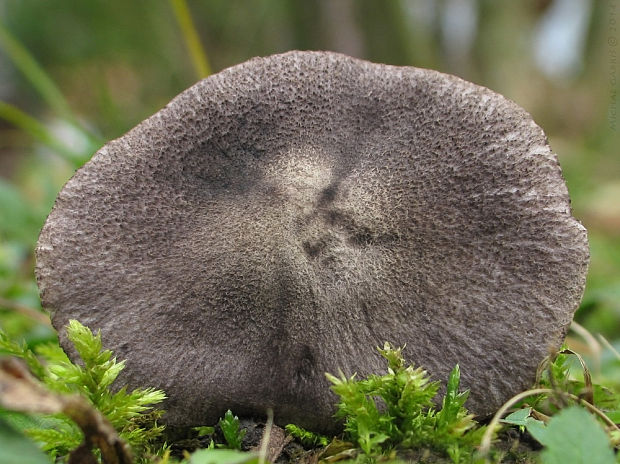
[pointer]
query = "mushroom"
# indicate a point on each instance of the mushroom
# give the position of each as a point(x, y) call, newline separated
point(282, 218)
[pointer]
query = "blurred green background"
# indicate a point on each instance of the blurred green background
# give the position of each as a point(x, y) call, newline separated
point(76, 73)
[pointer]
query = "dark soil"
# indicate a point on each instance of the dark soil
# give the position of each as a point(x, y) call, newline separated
point(511, 447)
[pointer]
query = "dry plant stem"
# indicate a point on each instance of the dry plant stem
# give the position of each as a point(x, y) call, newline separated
point(20, 391)
point(609, 346)
point(27, 311)
point(266, 435)
point(584, 333)
point(98, 433)
point(540, 416)
point(587, 378)
point(593, 344)
point(485, 443)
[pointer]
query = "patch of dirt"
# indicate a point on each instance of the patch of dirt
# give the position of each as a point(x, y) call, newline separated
point(510, 447)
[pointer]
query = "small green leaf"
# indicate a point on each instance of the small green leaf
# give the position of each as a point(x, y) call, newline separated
point(573, 436)
point(15, 447)
point(453, 401)
point(86, 343)
point(204, 431)
point(536, 429)
point(518, 417)
point(383, 413)
point(8, 346)
point(307, 438)
point(522, 418)
point(131, 413)
point(231, 430)
point(222, 456)
point(614, 416)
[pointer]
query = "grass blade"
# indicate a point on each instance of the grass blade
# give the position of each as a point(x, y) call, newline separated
point(40, 80)
point(24, 61)
point(190, 35)
point(38, 131)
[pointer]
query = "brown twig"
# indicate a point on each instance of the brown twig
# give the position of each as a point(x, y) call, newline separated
point(587, 378)
point(20, 391)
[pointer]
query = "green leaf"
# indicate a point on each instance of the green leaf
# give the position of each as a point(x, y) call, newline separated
point(614, 416)
point(18, 420)
point(19, 221)
point(222, 456)
point(204, 431)
point(11, 347)
point(573, 436)
point(393, 356)
point(522, 418)
point(87, 345)
point(453, 401)
point(15, 447)
point(396, 410)
point(231, 430)
point(131, 413)
point(58, 435)
point(307, 438)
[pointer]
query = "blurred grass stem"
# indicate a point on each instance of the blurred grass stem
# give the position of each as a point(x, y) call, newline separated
point(38, 131)
point(24, 61)
point(609, 346)
point(27, 311)
point(192, 40)
point(40, 80)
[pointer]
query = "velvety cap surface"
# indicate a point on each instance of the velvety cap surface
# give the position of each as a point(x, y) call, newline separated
point(284, 217)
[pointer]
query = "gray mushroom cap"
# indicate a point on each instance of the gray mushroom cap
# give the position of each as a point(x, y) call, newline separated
point(284, 217)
